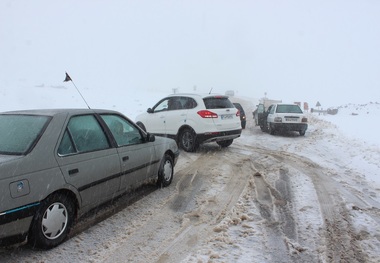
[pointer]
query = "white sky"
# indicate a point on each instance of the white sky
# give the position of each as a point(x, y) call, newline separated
point(296, 50)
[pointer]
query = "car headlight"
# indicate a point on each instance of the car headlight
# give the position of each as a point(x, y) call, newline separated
point(304, 119)
point(277, 119)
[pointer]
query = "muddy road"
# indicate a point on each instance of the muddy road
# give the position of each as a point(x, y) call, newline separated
point(255, 201)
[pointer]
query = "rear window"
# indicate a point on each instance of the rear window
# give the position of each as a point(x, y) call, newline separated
point(288, 109)
point(19, 133)
point(218, 103)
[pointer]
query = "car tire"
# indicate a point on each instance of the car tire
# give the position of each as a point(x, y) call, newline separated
point(270, 129)
point(166, 171)
point(52, 222)
point(188, 140)
point(225, 143)
point(243, 125)
point(141, 125)
point(302, 133)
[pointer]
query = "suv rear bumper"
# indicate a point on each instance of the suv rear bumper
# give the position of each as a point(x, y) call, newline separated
point(218, 136)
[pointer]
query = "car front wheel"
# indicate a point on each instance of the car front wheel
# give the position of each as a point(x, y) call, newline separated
point(165, 174)
point(52, 222)
point(270, 129)
point(302, 133)
point(188, 140)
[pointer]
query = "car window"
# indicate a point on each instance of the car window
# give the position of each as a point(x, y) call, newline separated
point(83, 134)
point(271, 109)
point(19, 133)
point(188, 103)
point(288, 109)
point(124, 132)
point(161, 106)
point(260, 108)
point(218, 103)
point(175, 103)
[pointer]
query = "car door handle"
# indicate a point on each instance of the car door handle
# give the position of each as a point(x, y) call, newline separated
point(73, 171)
point(125, 158)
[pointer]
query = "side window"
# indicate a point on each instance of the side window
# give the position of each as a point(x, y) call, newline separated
point(66, 147)
point(83, 134)
point(189, 103)
point(260, 108)
point(161, 106)
point(271, 109)
point(124, 132)
point(174, 103)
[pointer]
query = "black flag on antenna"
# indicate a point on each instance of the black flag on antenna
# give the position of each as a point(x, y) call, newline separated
point(68, 78)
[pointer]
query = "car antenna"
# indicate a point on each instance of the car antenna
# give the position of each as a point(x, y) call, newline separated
point(68, 78)
point(210, 91)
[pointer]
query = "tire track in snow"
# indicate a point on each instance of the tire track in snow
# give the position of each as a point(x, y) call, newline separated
point(205, 193)
point(339, 234)
point(213, 207)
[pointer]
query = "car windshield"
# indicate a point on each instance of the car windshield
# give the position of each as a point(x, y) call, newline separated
point(19, 133)
point(288, 109)
point(218, 103)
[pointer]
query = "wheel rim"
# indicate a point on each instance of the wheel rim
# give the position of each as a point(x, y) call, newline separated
point(54, 221)
point(168, 170)
point(187, 140)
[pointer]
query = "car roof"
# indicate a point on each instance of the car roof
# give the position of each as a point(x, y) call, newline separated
point(291, 104)
point(52, 112)
point(200, 95)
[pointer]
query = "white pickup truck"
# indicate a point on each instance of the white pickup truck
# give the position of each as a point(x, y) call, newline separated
point(282, 117)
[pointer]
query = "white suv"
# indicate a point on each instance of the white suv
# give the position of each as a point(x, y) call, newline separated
point(192, 119)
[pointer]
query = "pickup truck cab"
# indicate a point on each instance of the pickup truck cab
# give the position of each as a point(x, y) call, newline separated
point(282, 117)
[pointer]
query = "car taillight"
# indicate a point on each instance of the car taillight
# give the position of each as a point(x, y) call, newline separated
point(304, 119)
point(238, 113)
point(207, 114)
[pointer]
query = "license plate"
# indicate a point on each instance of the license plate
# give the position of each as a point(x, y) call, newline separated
point(226, 116)
point(291, 119)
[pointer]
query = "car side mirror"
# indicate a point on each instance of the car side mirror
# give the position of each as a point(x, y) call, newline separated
point(149, 110)
point(150, 137)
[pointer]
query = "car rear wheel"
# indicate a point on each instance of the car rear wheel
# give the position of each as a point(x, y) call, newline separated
point(188, 140)
point(225, 143)
point(165, 174)
point(52, 222)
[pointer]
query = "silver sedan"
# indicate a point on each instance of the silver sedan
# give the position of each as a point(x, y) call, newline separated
point(55, 165)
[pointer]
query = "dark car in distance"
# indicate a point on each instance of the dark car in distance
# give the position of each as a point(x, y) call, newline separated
point(243, 118)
